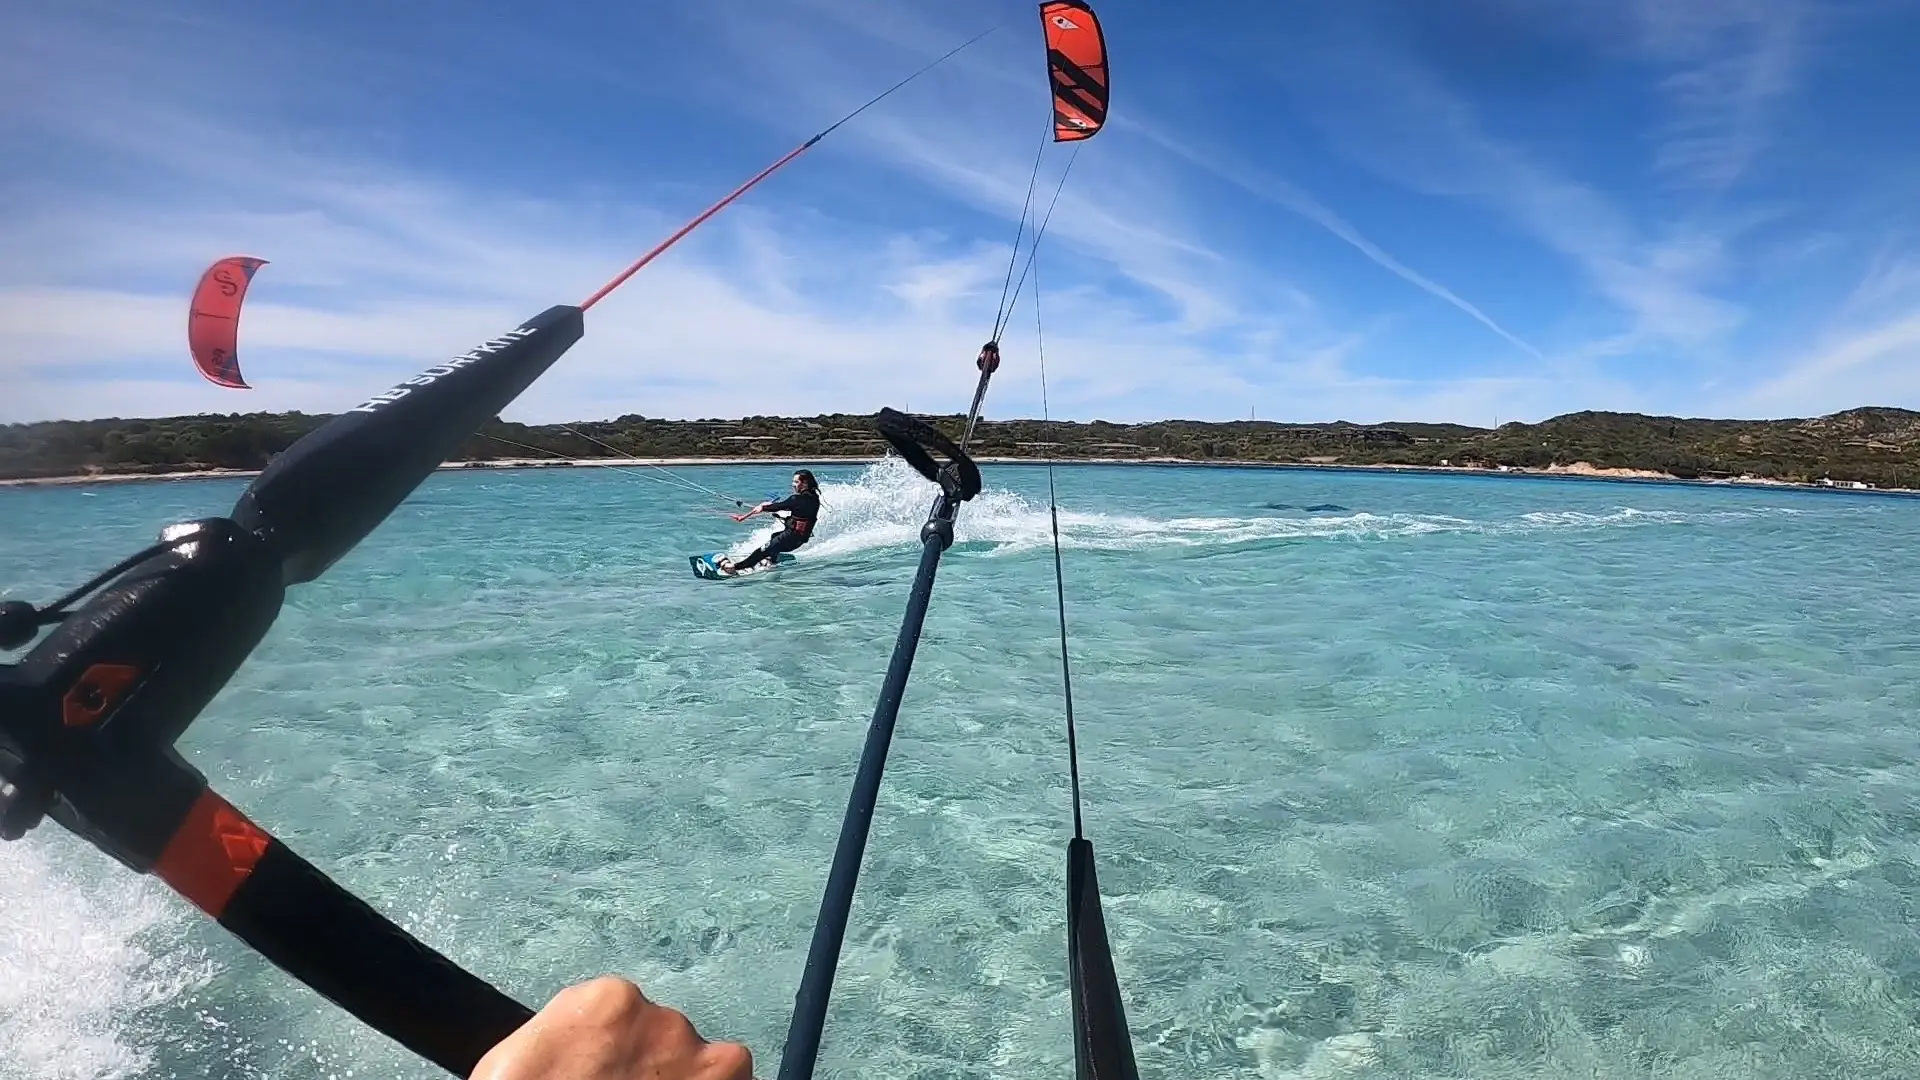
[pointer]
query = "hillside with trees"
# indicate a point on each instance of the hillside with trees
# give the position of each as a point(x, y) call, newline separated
point(1877, 446)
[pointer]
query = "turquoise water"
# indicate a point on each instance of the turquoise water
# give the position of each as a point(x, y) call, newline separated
point(1448, 777)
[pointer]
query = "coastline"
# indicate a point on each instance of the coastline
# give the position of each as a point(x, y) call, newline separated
point(1579, 470)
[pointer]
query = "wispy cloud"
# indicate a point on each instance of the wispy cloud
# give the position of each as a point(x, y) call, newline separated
point(1876, 364)
point(978, 138)
point(1018, 84)
point(1892, 275)
point(1709, 277)
point(1284, 194)
point(1390, 113)
point(407, 215)
point(1868, 352)
point(377, 271)
point(1727, 61)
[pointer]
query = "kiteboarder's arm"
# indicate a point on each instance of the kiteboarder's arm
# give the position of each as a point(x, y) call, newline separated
point(606, 1029)
point(763, 508)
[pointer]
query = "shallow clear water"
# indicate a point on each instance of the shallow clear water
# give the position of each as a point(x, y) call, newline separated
point(1444, 777)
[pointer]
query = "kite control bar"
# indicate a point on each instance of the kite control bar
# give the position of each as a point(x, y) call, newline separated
point(88, 721)
point(89, 716)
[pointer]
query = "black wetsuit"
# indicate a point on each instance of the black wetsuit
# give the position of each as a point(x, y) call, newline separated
point(802, 509)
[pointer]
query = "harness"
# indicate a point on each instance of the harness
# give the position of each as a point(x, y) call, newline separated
point(794, 523)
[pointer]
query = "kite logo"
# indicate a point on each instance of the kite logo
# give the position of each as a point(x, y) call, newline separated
point(1065, 23)
point(435, 374)
point(228, 286)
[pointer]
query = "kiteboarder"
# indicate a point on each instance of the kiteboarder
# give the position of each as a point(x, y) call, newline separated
point(802, 509)
point(606, 1029)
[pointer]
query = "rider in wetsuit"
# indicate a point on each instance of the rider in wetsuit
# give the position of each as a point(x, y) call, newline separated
point(802, 509)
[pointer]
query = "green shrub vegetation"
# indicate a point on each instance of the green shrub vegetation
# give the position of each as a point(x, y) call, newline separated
point(1878, 446)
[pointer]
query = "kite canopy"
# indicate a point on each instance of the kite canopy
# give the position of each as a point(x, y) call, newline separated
point(1077, 67)
point(213, 320)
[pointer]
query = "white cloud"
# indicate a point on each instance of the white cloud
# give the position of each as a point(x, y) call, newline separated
point(381, 274)
point(1729, 60)
point(376, 271)
point(1871, 365)
point(1284, 194)
point(865, 275)
point(1404, 123)
point(1893, 274)
point(1869, 352)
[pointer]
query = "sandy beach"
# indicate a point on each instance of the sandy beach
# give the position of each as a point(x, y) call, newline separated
point(1575, 470)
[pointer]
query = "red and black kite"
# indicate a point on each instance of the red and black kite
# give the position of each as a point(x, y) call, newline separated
point(213, 321)
point(1077, 67)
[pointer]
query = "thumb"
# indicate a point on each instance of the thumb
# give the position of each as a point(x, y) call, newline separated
point(726, 1061)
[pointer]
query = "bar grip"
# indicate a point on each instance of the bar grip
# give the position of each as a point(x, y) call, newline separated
point(333, 941)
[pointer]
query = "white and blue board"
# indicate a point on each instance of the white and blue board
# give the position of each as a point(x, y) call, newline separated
point(705, 566)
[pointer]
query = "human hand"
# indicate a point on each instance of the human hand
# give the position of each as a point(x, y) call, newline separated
point(606, 1029)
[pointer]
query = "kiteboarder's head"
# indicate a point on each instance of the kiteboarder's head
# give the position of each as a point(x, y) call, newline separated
point(804, 481)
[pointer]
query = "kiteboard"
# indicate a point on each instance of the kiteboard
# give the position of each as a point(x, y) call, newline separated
point(704, 566)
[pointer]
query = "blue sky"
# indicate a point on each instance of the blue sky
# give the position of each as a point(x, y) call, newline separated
point(1370, 210)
